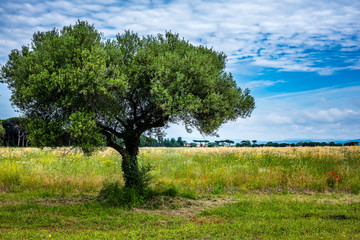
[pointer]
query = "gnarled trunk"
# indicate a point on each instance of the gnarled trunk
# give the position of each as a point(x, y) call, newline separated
point(134, 177)
point(131, 172)
point(129, 164)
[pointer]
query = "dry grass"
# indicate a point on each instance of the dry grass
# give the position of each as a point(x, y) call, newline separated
point(181, 206)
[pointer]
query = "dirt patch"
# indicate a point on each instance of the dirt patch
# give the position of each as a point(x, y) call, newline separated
point(4, 189)
point(49, 202)
point(181, 206)
point(53, 202)
point(345, 200)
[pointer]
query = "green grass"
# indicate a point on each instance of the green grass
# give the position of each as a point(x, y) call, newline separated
point(251, 217)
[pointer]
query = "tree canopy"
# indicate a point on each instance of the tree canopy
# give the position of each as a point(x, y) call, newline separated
point(73, 81)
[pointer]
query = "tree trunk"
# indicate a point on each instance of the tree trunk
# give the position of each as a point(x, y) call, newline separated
point(19, 138)
point(134, 177)
point(132, 174)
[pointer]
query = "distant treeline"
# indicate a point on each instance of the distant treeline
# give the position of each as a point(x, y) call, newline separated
point(13, 134)
point(151, 142)
point(306, 144)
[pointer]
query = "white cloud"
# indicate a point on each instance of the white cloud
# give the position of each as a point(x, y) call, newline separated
point(328, 113)
point(272, 34)
point(289, 35)
point(275, 118)
point(333, 115)
point(262, 83)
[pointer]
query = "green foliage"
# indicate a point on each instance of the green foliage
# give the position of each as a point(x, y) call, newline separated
point(137, 177)
point(116, 195)
point(161, 142)
point(71, 70)
point(73, 82)
point(2, 132)
point(64, 73)
point(83, 130)
point(14, 133)
point(45, 133)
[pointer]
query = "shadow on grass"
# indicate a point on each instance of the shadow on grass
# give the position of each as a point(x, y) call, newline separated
point(113, 194)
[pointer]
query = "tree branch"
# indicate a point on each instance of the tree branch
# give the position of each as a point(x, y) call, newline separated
point(111, 143)
point(110, 130)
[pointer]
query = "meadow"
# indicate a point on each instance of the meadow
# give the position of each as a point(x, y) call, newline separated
point(232, 193)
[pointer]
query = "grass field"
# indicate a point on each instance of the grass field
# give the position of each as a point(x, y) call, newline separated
point(222, 193)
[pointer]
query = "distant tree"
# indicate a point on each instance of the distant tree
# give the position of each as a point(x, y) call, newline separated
point(272, 144)
point(351, 144)
point(15, 134)
point(113, 92)
point(246, 143)
point(174, 143)
point(147, 142)
point(254, 143)
point(229, 142)
point(284, 145)
point(180, 142)
point(2, 132)
point(223, 142)
point(211, 144)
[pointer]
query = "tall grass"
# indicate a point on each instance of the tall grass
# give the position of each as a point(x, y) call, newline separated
point(213, 170)
point(189, 170)
point(56, 171)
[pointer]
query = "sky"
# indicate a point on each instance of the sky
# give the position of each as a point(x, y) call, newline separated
point(299, 58)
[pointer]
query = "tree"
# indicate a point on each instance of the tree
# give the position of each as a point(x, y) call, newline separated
point(211, 144)
point(254, 142)
point(2, 132)
point(14, 132)
point(180, 142)
point(229, 142)
point(351, 144)
point(111, 92)
point(245, 143)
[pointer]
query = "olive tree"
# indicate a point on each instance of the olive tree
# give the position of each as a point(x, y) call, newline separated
point(74, 82)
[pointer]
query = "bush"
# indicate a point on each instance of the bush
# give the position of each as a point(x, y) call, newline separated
point(116, 195)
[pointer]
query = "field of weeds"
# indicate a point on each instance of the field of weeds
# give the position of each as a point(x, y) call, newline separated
point(192, 171)
point(221, 193)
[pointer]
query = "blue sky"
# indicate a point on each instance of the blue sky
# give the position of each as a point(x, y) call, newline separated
point(300, 58)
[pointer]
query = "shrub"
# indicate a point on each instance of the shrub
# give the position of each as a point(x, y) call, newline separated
point(116, 195)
